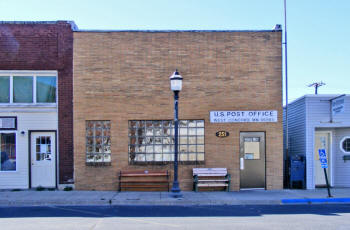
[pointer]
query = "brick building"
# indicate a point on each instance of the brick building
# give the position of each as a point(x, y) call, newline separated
point(123, 106)
point(36, 113)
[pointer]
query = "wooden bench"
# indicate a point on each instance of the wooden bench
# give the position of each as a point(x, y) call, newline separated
point(211, 177)
point(144, 179)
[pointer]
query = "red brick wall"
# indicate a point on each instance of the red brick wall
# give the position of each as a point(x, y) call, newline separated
point(45, 46)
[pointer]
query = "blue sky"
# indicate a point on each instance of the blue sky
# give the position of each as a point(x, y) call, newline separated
point(318, 30)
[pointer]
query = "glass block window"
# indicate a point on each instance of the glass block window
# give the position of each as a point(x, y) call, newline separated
point(152, 141)
point(346, 144)
point(98, 142)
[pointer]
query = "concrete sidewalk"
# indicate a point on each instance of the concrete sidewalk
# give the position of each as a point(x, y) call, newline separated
point(244, 197)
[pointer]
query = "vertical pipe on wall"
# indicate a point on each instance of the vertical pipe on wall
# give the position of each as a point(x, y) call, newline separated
point(286, 76)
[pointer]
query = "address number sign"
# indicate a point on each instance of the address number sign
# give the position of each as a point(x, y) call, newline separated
point(222, 134)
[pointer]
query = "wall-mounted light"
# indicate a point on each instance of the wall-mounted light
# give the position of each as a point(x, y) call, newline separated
point(22, 132)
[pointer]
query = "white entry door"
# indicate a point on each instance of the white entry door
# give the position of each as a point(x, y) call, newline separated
point(322, 141)
point(43, 159)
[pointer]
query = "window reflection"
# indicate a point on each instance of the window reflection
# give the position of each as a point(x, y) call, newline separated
point(8, 152)
point(153, 141)
point(98, 141)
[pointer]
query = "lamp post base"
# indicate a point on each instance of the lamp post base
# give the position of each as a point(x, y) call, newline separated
point(175, 190)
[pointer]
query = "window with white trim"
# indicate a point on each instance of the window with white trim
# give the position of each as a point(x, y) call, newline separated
point(36, 88)
point(7, 152)
point(345, 144)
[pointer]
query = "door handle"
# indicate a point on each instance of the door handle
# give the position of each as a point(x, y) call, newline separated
point(241, 163)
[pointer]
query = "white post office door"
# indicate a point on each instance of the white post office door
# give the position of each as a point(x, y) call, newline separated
point(43, 158)
point(322, 141)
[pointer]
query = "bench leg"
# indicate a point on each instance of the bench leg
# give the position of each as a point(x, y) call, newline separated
point(228, 176)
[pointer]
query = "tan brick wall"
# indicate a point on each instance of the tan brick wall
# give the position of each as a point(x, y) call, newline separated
point(121, 76)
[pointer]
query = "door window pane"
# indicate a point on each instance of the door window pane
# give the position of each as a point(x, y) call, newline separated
point(251, 148)
point(23, 89)
point(43, 148)
point(46, 89)
point(8, 152)
point(4, 89)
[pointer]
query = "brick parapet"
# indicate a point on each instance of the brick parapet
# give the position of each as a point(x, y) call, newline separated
point(45, 46)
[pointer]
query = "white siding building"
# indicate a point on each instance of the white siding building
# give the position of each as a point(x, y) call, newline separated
point(313, 124)
point(28, 129)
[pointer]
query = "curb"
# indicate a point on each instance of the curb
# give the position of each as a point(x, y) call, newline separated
point(136, 203)
point(316, 200)
point(176, 203)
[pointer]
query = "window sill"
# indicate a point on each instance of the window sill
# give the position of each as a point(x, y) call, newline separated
point(30, 105)
point(98, 164)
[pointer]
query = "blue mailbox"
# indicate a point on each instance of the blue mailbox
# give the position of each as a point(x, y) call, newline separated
point(297, 171)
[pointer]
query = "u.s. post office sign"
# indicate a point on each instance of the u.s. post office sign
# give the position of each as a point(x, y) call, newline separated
point(243, 116)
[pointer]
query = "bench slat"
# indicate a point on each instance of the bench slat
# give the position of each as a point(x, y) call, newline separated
point(143, 175)
point(143, 171)
point(144, 186)
point(211, 175)
point(209, 171)
point(199, 173)
point(212, 185)
point(143, 179)
point(203, 171)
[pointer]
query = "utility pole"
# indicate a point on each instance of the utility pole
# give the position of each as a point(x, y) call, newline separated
point(286, 83)
point(316, 85)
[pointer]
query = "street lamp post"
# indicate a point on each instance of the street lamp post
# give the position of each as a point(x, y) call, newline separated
point(176, 86)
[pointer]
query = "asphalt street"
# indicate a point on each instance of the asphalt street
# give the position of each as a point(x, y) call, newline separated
point(171, 211)
point(330, 216)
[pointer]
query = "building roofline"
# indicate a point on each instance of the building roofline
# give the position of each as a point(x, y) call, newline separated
point(74, 27)
point(317, 95)
point(325, 95)
point(72, 23)
point(171, 31)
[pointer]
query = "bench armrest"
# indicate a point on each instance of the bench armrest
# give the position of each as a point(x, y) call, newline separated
point(195, 183)
point(228, 177)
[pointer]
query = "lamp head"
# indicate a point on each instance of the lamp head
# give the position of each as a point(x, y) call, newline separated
point(176, 81)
